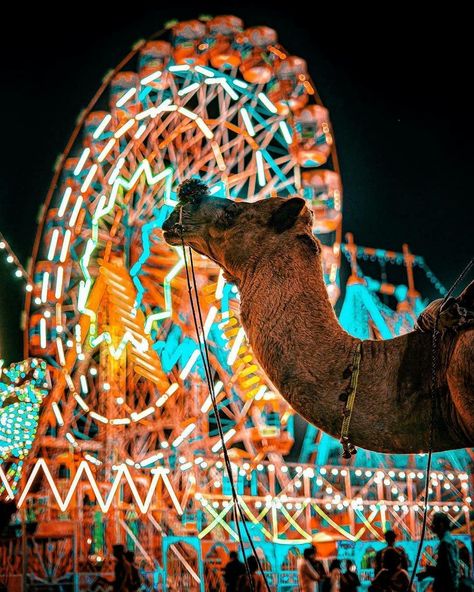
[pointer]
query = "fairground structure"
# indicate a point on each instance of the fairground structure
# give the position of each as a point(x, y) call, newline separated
point(124, 447)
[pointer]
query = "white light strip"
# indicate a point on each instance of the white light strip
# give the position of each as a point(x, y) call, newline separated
point(218, 445)
point(59, 347)
point(239, 83)
point(203, 70)
point(235, 347)
point(81, 402)
point(116, 171)
point(218, 156)
point(209, 320)
point(98, 417)
point(187, 112)
point(208, 402)
point(285, 130)
point(65, 247)
point(203, 127)
point(64, 202)
point(266, 101)
point(52, 244)
point(88, 179)
point(107, 148)
point(247, 122)
point(188, 89)
point(82, 161)
point(125, 127)
point(75, 211)
point(172, 389)
point(92, 459)
point(151, 459)
point(137, 416)
point(59, 282)
point(140, 131)
point(150, 77)
point(179, 68)
point(260, 169)
point(102, 125)
point(57, 413)
point(124, 98)
point(43, 333)
point(84, 387)
point(186, 370)
point(44, 287)
point(188, 430)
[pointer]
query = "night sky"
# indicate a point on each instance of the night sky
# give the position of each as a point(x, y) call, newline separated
point(395, 83)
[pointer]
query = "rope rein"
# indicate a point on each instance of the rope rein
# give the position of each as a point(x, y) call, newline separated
point(433, 388)
point(204, 351)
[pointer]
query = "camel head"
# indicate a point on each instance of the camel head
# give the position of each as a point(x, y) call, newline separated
point(233, 233)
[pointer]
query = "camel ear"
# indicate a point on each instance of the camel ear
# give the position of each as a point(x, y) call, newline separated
point(285, 216)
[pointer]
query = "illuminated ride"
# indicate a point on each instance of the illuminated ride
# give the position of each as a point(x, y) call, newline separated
point(126, 446)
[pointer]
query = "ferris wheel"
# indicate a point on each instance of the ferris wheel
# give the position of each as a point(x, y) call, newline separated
point(108, 305)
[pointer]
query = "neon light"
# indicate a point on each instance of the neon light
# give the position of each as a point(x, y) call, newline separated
point(218, 156)
point(239, 83)
point(211, 315)
point(203, 127)
point(82, 161)
point(88, 179)
point(125, 127)
point(65, 246)
point(162, 400)
point(84, 387)
point(53, 243)
point(107, 148)
point(186, 370)
point(218, 445)
point(140, 131)
point(102, 125)
point(179, 68)
point(116, 171)
point(92, 459)
point(187, 112)
point(188, 89)
point(124, 98)
point(260, 169)
point(64, 202)
point(151, 459)
point(203, 70)
point(247, 121)
point(266, 101)
point(75, 211)
point(98, 417)
point(138, 416)
point(285, 130)
point(150, 77)
point(235, 347)
point(59, 347)
point(44, 287)
point(57, 413)
point(81, 402)
point(208, 402)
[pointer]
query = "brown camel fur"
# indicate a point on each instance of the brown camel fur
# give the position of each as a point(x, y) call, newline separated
point(267, 248)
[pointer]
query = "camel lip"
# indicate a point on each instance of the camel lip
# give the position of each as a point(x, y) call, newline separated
point(172, 238)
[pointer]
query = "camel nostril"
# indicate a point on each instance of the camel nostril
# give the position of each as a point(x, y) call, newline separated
point(168, 224)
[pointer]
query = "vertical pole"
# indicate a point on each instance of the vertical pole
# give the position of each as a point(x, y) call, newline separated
point(24, 551)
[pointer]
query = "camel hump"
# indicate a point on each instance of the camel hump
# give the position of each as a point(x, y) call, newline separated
point(456, 313)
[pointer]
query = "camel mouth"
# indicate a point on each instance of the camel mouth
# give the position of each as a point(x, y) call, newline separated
point(173, 238)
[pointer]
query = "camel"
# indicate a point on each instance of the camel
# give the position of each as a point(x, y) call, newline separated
point(268, 249)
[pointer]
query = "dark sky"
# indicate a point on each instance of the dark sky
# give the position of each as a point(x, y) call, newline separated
point(395, 81)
